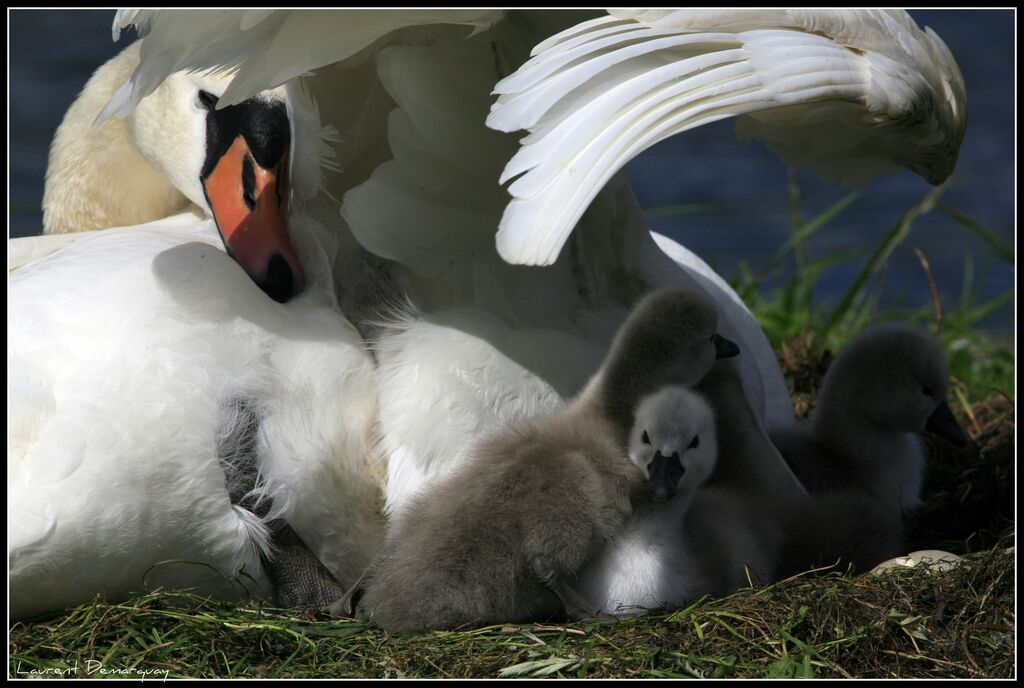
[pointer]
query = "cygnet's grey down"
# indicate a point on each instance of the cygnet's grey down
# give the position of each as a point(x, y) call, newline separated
point(700, 541)
point(860, 455)
point(748, 461)
point(501, 539)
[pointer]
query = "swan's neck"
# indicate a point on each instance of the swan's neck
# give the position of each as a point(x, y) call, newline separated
point(96, 177)
point(747, 459)
point(597, 398)
point(892, 461)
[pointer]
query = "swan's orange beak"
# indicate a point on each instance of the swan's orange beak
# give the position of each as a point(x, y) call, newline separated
point(248, 207)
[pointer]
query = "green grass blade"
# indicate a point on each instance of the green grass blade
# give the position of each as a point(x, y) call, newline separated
point(844, 256)
point(881, 254)
point(1001, 247)
point(966, 289)
point(808, 228)
point(540, 667)
point(979, 313)
point(795, 219)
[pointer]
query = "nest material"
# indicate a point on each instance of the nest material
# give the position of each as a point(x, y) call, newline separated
point(969, 493)
point(804, 369)
point(907, 623)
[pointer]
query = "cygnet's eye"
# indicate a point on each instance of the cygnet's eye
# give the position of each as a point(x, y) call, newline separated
point(695, 443)
point(207, 100)
point(928, 391)
point(645, 439)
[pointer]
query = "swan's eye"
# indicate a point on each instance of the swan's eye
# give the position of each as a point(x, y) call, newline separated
point(645, 439)
point(928, 391)
point(695, 443)
point(207, 100)
point(249, 183)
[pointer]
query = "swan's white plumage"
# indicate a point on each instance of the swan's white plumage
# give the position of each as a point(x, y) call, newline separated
point(266, 47)
point(27, 250)
point(124, 397)
point(848, 94)
point(417, 172)
point(426, 208)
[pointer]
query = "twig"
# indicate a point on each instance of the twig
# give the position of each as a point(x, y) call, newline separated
point(967, 652)
point(934, 660)
point(979, 627)
point(936, 301)
point(966, 405)
point(539, 627)
point(838, 669)
point(803, 573)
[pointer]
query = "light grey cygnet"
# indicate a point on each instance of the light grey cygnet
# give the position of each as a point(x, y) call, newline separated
point(703, 540)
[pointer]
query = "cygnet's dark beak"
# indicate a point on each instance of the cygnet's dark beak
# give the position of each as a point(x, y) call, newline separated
point(943, 423)
point(724, 348)
point(665, 472)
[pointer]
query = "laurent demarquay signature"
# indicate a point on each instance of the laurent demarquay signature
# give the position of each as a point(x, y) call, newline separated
point(93, 667)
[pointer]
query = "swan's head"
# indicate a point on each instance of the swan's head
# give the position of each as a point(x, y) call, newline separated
point(673, 441)
point(670, 338)
point(232, 162)
point(895, 377)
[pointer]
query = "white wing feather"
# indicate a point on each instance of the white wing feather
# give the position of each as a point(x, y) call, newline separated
point(847, 94)
point(266, 48)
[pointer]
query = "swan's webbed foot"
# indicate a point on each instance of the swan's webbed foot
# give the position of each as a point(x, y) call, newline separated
point(300, 581)
point(576, 606)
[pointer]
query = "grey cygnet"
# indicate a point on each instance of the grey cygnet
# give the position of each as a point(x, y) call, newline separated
point(499, 540)
point(860, 456)
point(703, 540)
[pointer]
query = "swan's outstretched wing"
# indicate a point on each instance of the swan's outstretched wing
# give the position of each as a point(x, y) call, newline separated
point(848, 94)
point(267, 48)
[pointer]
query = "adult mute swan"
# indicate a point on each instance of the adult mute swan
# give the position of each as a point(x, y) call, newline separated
point(489, 343)
point(146, 367)
point(177, 148)
point(849, 92)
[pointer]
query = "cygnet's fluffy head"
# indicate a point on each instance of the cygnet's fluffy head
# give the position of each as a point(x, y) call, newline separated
point(896, 377)
point(669, 339)
point(673, 440)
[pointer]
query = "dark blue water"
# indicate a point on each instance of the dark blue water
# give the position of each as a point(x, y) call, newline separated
point(740, 190)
